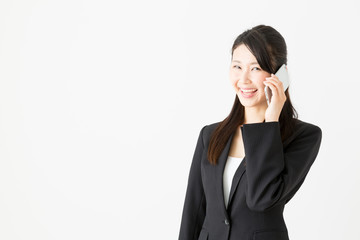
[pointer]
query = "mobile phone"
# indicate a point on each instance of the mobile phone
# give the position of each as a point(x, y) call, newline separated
point(283, 76)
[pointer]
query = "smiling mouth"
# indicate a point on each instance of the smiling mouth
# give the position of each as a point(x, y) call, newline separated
point(248, 91)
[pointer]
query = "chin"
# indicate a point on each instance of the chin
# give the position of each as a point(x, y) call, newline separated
point(250, 103)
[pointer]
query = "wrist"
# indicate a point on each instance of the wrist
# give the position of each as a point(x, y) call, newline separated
point(271, 120)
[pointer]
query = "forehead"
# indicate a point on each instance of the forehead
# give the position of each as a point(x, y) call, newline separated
point(242, 54)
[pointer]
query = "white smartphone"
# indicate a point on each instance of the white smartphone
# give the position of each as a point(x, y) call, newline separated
point(283, 76)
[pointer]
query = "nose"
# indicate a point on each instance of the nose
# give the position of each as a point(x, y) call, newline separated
point(243, 78)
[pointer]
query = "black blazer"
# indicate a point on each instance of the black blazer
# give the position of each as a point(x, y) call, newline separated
point(267, 178)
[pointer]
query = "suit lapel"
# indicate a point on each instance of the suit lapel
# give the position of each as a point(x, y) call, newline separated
point(219, 171)
point(237, 176)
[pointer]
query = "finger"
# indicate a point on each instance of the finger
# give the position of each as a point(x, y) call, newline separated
point(272, 87)
point(277, 92)
point(274, 77)
point(277, 83)
point(274, 84)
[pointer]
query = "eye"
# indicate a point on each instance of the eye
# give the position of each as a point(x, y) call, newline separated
point(257, 69)
point(237, 67)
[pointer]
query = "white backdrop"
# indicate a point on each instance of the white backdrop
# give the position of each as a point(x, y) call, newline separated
point(101, 104)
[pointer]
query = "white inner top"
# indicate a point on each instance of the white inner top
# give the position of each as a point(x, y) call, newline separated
point(231, 166)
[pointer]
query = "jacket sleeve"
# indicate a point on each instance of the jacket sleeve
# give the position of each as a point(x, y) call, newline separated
point(275, 174)
point(195, 204)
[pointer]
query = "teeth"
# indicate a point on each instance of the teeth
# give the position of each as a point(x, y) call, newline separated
point(250, 90)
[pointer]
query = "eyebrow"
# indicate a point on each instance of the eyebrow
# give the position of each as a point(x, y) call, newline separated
point(252, 63)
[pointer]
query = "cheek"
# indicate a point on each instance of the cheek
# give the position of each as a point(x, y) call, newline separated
point(232, 79)
point(260, 85)
point(260, 81)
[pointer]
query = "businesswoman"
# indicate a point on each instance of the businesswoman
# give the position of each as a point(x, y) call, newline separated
point(248, 166)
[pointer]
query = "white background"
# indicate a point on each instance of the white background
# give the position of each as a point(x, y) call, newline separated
point(101, 104)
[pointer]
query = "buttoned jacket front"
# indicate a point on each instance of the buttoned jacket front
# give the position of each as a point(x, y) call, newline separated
point(268, 177)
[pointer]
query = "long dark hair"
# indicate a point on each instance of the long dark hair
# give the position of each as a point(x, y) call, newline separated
point(269, 49)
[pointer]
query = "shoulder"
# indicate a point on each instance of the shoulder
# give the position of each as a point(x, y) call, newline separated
point(306, 127)
point(207, 130)
point(305, 131)
point(302, 130)
point(300, 126)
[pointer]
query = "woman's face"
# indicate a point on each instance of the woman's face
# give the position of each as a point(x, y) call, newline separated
point(246, 74)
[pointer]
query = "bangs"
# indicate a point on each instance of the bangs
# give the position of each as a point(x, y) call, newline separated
point(257, 45)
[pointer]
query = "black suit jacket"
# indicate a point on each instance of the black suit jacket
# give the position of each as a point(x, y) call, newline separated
point(267, 178)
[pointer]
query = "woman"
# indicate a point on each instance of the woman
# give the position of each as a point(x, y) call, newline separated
point(247, 167)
